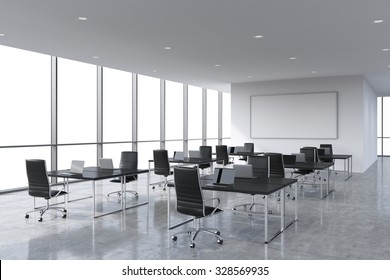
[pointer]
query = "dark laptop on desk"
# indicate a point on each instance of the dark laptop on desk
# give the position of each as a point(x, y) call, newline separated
point(223, 176)
point(243, 171)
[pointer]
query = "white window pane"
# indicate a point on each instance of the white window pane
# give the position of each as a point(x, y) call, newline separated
point(386, 146)
point(114, 151)
point(172, 146)
point(117, 105)
point(379, 147)
point(212, 143)
point(77, 97)
point(386, 116)
point(145, 153)
point(194, 145)
point(24, 97)
point(226, 114)
point(76, 152)
point(212, 114)
point(148, 108)
point(226, 142)
point(173, 111)
point(194, 112)
point(13, 165)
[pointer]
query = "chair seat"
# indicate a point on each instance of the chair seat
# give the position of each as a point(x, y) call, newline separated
point(209, 209)
point(56, 193)
point(303, 171)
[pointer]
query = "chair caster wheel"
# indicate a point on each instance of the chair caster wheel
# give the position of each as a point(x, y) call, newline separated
point(65, 211)
point(40, 219)
point(217, 233)
point(27, 216)
point(153, 187)
point(64, 216)
point(278, 199)
point(174, 237)
point(270, 212)
point(293, 198)
point(192, 245)
point(234, 209)
point(220, 241)
point(164, 189)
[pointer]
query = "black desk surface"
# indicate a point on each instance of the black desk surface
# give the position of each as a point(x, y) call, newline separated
point(310, 165)
point(340, 156)
point(246, 153)
point(193, 160)
point(96, 173)
point(262, 186)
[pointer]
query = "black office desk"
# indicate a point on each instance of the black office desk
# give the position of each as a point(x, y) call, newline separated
point(315, 166)
point(347, 159)
point(94, 174)
point(265, 187)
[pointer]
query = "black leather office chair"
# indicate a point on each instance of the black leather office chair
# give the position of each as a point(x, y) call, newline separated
point(310, 156)
point(190, 201)
point(248, 148)
point(39, 186)
point(326, 153)
point(206, 153)
point(261, 169)
point(277, 168)
point(161, 166)
point(222, 154)
point(129, 160)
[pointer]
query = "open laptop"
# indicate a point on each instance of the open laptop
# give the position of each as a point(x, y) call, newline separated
point(231, 150)
point(76, 167)
point(194, 154)
point(243, 170)
point(106, 163)
point(178, 155)
point(223, 176)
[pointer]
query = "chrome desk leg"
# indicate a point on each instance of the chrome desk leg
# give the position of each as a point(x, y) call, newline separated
point(266, 219)
point(282, 210)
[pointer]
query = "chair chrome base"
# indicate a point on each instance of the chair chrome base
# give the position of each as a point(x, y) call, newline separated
point(43, 209)
point(195, 230)
point(118, 193)
point(248, 205)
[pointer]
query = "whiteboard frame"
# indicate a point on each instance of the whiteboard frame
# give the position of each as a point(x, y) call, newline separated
point(333, 94)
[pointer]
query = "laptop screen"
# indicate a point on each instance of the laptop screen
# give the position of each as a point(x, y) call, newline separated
point(223, 176)
point(243, 170)
point(194, 154)
point(106, 163)
point(77, 166)
point(178, 155)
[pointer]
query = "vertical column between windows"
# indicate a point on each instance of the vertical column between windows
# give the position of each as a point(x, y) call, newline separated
point(185, 119)
point(204, 116)
point(99, 111)
point(220, 108)
point(54, 116)
point(135, 111)
point(162, 114)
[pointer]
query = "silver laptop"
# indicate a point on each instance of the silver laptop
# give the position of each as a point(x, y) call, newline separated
point(178, 155)
point(76, 167)
point(243, 170)
point(106, 163)
point(194, 154)
point(239, 149)
point(223, 176)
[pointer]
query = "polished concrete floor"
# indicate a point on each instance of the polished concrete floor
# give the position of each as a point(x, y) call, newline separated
point(351, 223)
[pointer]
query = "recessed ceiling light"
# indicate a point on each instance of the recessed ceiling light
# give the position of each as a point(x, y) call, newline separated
point(95, 56)
point(217, 65)
point(83, 18)
point(250, 77)
point(258, 36)
point(378, 21)
point(154, 71)
point(292, 58)
point(2, 34)
point(314, 72)
point(167, 48)
point(388, 66)
point(385, 50)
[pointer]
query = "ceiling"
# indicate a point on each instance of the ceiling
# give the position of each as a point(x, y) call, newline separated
point(211, 42)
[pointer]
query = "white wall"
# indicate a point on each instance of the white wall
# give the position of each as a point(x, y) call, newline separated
point(356, 121)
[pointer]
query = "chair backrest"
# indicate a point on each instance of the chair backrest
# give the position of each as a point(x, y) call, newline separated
point(260, 166)
point(129, 160)
point(189, 197)
point(161, 162)
point(328, 149)
point(222, 153)
point(276, 165)
point(205, 151)
point(38, 181)
point(249, 147)
point(310, 154)
point(289, 159)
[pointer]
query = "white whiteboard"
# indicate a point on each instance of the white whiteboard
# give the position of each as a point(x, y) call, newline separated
point(302, 115)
